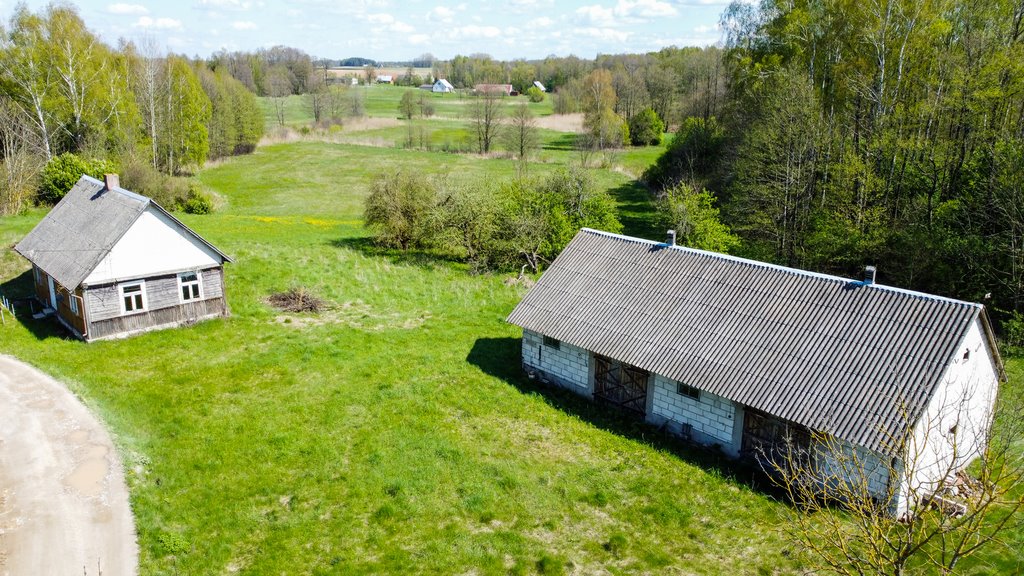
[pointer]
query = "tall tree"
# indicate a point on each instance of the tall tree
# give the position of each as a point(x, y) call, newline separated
point(485, 117)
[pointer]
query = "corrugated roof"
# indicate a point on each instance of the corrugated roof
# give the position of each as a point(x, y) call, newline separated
point(858, 361)
point(69, 242)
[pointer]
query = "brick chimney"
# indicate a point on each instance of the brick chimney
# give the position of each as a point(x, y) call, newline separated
point(110, 181)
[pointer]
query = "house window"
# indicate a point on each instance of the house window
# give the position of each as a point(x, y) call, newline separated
point(552, 343)
point(133, 297)
point(967, 354)
point(35, 274)
point(687, 390)
point(73, 303)
point(190, 286)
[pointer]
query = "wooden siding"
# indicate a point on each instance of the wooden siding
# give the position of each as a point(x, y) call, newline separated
point(42, 290)
point(156, 319)
point(104, 302)
point(74, 321)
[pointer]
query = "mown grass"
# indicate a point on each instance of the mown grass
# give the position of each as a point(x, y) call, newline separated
point(395, 432)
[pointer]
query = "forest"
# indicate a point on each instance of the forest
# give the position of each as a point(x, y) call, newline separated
point(821, 135)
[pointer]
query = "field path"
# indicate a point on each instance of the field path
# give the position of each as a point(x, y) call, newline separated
point(63, 500)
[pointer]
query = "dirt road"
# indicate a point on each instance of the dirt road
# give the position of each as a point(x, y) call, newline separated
point(63, 500)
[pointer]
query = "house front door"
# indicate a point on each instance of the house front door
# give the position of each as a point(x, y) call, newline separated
point(620, 384)
point(53, 292)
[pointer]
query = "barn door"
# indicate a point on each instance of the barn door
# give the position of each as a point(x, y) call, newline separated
point(772, 440)
point(620, 384)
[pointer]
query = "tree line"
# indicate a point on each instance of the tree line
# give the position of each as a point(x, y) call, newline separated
point(885, 132)
point(67, 97)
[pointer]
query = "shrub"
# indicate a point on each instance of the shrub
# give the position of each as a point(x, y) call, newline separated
point(691, 156)
point(168, 191)
point(534, 94)
point(645, 128)
point(399, 210)
point(197, 202)
point(61, 173)
point(1013, 329)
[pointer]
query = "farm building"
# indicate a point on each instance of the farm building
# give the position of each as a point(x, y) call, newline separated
point(539, 86)
point(385, 79)
point(443, 86)
point(503, 89)
point(755, 357)
point(109, 263)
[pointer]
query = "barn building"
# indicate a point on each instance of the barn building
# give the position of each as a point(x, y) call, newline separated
point(109, 263)
point(442, 86)
point(752, 357)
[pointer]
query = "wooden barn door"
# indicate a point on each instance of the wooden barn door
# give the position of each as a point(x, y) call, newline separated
point(772, 440)
point(620, 384)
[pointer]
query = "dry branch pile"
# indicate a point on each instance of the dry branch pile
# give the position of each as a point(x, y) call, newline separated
point(296, 300)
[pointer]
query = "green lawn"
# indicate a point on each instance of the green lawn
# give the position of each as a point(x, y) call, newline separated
point(395, 432)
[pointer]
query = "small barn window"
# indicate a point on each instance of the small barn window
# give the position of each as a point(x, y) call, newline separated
point(73, 303)
point(133, 297)
point(687, 390)
point(967, 354)
point(552, 343)
point(190, 286)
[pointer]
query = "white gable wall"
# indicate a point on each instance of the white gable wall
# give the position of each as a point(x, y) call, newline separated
point(154, 244)
point(567, 365)
point(953, 429)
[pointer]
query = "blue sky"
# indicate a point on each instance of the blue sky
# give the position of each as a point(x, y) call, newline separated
point(390, 30)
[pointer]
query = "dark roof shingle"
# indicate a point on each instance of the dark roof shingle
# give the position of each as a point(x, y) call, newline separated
point(72, 239)
point(859, 361)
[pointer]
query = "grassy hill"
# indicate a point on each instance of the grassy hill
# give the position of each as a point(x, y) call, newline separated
point(393, 433)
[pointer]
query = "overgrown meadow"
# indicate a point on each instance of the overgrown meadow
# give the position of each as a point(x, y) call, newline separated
point(394, 432)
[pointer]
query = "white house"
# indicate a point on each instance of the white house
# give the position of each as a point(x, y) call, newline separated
point(443, 86)
point(752, 357)
point(385, 79)
point(539, 86)
point(108, 263)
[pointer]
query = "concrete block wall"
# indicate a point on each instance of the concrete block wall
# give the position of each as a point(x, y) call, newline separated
point(712, 417)
point(568, 365)
point(840, 459)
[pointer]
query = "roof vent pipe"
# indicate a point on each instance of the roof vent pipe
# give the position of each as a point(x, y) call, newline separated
point(111, 181)
point(671, 239)
point(869, 274)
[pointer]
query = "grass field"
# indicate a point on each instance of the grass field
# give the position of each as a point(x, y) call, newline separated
point(393, 433)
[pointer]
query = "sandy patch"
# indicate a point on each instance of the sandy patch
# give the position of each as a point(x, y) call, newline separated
point(562, 122)
point(64, 503)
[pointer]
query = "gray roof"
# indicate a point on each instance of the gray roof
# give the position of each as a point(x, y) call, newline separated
point(857, 360)
point(83, 227)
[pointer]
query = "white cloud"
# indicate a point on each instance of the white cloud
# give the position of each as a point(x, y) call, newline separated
point(127, 9)
point(419, 39)
point(402, 28)
point(603, 34)
point(626, 12)
point(244, 25)
point(227, 4)
point(475, 31)
point(542, 22)
point(157, 23)
point(380, 18)
point(441, 14)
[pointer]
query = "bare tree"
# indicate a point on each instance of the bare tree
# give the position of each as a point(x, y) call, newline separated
point(485, 116)
point(279, 88)
point(521, 137)
point(918, 510)
point(19, 162)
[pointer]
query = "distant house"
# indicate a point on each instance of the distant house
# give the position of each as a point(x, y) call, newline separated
point(753, 357)
point(443, 86)
point(504, 89)
point(385, 79)
point(539, 86)
point(108, 263)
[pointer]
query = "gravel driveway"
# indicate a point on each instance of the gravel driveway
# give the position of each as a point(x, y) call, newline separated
point(63, 500)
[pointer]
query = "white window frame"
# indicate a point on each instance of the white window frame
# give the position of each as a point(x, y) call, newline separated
point(142, 292)
point(197, 284)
